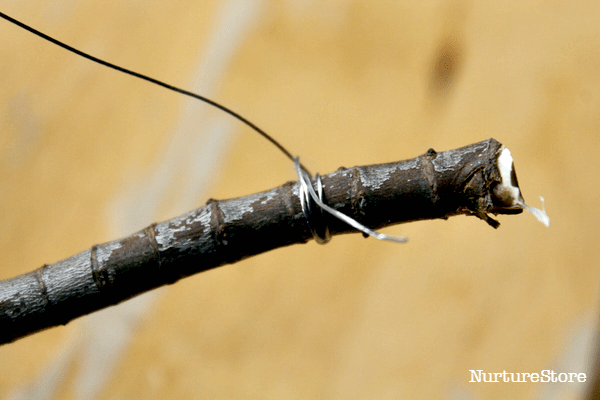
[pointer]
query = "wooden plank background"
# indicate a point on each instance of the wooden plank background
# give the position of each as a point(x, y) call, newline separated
point(88, 155)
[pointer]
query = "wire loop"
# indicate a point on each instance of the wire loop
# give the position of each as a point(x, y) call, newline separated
point(315, 217)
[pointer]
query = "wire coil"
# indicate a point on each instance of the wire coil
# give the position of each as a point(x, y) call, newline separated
point(315, 217)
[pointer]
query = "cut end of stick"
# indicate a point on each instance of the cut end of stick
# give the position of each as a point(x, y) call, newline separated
point(508, 190)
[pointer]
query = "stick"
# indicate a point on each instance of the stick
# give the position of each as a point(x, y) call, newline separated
point(468, 181)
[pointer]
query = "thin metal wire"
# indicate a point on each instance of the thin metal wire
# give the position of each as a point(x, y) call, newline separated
point(154, 81)
point(308, 197)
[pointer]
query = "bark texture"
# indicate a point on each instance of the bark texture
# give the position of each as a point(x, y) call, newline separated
point(434, 185)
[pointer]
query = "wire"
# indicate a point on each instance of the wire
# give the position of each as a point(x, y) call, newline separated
point(154, 81)
point(303, 174)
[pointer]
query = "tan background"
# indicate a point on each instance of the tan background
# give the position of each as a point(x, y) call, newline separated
point(88, 155)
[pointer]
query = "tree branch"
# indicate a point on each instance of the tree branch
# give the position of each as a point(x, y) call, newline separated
point(467, 181)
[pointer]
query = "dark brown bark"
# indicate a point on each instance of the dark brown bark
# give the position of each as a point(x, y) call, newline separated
point(434, 185)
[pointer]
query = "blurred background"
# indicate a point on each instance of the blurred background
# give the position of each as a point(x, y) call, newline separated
point(88, 155)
